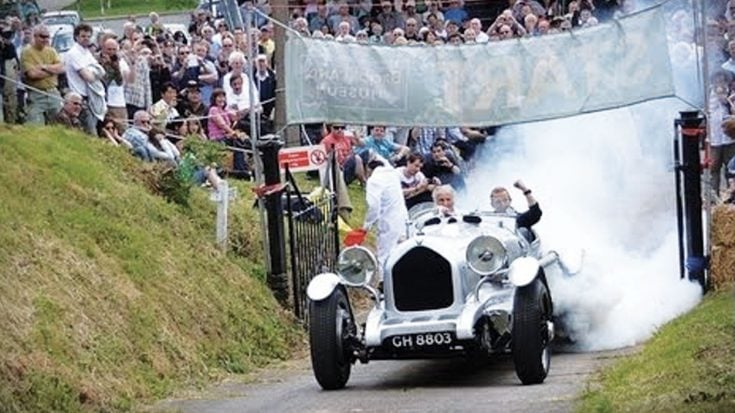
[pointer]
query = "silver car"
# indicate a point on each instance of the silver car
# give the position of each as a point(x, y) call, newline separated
point(466, 286)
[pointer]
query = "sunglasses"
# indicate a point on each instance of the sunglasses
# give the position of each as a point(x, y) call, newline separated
point(76, 103)
point(145, 122)
point(44, 36)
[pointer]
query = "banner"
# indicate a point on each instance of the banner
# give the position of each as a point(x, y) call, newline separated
point(607, 66)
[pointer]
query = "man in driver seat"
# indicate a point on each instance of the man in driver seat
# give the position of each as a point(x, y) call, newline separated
point(500, 200)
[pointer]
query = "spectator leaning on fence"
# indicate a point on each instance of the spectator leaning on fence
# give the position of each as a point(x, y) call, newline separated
point(137, 135)
point(41, 66)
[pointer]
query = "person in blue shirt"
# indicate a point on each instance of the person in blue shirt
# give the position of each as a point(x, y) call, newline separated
point(455, 12)
point(382, 145)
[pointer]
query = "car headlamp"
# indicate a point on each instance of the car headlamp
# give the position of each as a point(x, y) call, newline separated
point(485, 255)
point(356, 266)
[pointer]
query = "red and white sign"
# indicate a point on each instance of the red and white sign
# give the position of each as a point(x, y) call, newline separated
point(303, 158)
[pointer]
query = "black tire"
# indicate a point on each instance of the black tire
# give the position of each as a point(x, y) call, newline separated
point(330, 323)
point(531, 346)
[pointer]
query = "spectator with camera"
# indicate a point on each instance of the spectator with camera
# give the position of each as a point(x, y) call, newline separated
point(117, 74)
point(138, 94)
point(41, 66)
point(202, 70)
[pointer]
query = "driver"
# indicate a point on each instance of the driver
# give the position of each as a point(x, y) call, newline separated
point(500, 201)
point(443, 196)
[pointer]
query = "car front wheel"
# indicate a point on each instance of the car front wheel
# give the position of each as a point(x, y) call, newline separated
point(531, 336)
point(330, 325)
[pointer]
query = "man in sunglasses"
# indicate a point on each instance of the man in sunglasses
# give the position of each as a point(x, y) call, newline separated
point(41, 66)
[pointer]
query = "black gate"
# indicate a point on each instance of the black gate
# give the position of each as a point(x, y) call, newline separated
point(313, 238)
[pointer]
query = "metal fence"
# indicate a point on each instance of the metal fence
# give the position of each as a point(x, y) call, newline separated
point(313, 238)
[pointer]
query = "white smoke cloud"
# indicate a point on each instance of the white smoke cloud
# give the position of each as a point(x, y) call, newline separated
point(605, 184)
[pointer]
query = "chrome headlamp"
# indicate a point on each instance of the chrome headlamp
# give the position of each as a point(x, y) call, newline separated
point(485, 255)
point(356, 266)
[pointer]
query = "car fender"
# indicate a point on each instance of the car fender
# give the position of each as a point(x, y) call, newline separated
point(471, 312)
point(322, 286)
point(523, 271)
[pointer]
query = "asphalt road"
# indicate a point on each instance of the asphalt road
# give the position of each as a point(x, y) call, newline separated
point(405, 386)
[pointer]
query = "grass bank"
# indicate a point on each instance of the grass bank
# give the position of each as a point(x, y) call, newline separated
point(91, 8)
point(110, 296)
point(688, 366)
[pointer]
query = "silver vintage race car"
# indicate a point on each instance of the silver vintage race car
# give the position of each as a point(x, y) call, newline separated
point(466, 286)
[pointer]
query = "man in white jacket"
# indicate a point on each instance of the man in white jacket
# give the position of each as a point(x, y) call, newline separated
point(386, 206)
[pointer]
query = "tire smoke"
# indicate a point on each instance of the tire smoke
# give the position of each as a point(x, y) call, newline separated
point(605, 184)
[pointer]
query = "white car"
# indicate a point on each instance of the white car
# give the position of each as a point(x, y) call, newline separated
point(62, 38)
point(464, 286)
point(212, 6)
point(63, 17)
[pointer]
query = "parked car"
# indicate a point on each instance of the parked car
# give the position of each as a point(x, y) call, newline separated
point(173, 28)
point(464, 286)
point(62, 38)
point(212, 6)
point(62, 17)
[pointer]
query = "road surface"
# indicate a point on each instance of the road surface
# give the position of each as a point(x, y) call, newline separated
point(405, 386)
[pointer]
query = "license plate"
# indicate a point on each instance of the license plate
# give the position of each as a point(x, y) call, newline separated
point(422, 340)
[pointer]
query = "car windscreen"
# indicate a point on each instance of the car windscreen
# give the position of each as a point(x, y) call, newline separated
point(62, 42)
point(59, 20)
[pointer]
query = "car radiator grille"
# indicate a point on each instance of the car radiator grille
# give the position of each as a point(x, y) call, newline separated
point(422, 280)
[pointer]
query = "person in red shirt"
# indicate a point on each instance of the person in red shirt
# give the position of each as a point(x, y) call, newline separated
point(351, 164)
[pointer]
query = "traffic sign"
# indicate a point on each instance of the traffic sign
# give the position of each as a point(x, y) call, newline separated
point(303, 158)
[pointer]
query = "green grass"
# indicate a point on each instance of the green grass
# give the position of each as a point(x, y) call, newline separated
point(689, 366)
point(111, 297)
point(91, 8)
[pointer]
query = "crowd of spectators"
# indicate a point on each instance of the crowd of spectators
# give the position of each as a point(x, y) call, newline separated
point(720, 32)
point(433, 22)
point(426, 157)
point(147, 86)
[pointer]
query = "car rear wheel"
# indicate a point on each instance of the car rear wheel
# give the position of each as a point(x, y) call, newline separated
point(330, 325)
point(531, 337)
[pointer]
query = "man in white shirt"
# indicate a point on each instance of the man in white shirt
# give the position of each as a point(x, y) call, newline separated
point(77, 63)
point(386, 207)
point(481, 37)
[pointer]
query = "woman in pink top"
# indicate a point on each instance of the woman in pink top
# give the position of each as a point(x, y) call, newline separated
point(220, 122)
